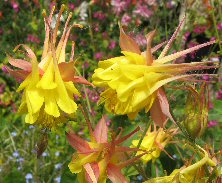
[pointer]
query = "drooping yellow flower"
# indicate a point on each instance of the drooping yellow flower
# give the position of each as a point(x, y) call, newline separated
point(48, 87)
point(193, 173)
point(154, 142)
point(134, 81)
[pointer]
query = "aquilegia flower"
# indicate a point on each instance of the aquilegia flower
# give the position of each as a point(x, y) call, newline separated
point(192, 173)
point(155, 141)
point(134, 81)
point(99, 159)
point(48, 87)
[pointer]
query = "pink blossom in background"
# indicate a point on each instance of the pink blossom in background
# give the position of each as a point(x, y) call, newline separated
point(211, 105)
point(2, 88)
point(91, 94)
point(151, 2)
point(112, 45)
point(93, 112)
point(99, 15)
point(14, 108)
point(108, 122)
point(85, 65)
point(33, 39)
point(105, 35)
point(52, 4)
point(212, 123)
point(1, 31)
point(83, 43)
point(120, 5)
point(206, 77)
point(219, 95)
point(96, 28)
point(186, 35)
point(219, 26)
point(141, 40)
point(4, 69)
point(143, 11)
point(15, 6)
point(71, 6)
point(212, 38)
point(99, 55)
point(190, 45)
point(200, 29)
point(126, 19)
point(73, 37)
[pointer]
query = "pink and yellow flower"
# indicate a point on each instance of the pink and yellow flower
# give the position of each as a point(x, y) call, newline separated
point(99, 159)
point(47, 85)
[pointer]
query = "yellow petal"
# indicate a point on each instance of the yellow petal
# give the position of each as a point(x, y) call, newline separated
point(25, 83)
point(31, 118)
point(47, 80)
point(134, 58)
point(77, 163)
point(51, 107)
point(62, 98)
point(34, 100)
point(71, 88)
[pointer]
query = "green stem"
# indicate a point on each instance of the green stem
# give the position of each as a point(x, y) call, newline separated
point(215, 27)
point(91, 30)
point(13, 142)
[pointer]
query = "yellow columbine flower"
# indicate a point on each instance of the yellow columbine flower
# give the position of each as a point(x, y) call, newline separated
point(154, 142)
point(193, 173)
point(48, 87)
point(134, 81)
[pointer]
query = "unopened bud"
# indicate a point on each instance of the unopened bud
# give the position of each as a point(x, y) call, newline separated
point(197, 112)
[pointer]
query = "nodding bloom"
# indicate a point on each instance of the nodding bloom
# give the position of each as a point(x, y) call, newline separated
point(155, 142)
point(192, 173)
point(48, 85)
point(135, 81)
point(99, 159)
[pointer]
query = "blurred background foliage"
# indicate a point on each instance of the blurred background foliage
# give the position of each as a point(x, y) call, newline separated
point(21, 21)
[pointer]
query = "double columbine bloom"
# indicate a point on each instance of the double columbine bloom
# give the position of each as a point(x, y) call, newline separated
point(48, 87)
point(99, 159)
point(135, 81)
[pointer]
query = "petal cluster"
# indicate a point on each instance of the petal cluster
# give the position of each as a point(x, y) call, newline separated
point(192, 173)
point(135, 81)
point(99, 159)
point(48, 86)
point(155, 142)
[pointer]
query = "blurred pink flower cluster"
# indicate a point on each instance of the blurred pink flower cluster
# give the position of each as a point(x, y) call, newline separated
point(33, 39)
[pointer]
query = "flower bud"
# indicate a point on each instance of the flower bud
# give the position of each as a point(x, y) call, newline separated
point(196, 112)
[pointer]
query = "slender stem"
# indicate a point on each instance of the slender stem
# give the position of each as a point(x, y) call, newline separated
point(91, 30)
point(215, 27)
point(13, 142)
